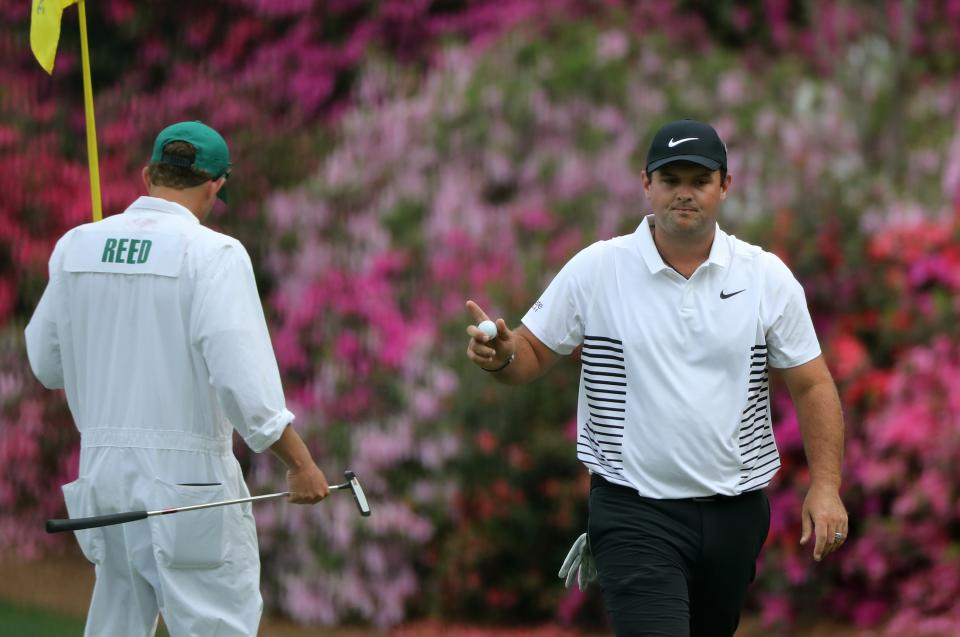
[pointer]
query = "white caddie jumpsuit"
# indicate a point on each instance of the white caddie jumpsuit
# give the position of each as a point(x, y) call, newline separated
point(153, 326)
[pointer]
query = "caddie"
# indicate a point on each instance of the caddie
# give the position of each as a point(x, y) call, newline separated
point(152, 324)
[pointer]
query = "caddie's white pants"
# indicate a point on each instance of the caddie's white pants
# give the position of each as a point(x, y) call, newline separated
point(199, 569)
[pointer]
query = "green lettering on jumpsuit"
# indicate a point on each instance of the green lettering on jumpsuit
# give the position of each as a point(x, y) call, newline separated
point(108, 249)
point(132, 252)
point(126, 251)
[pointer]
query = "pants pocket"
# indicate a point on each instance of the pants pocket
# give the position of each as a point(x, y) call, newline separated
point(78, 496)
point(189, 539)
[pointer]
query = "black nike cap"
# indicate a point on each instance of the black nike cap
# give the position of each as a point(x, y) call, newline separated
point(687, 140)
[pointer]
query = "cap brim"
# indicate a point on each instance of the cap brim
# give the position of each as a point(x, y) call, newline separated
point(706, 162)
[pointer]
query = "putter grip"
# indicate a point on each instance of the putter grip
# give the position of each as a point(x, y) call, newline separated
point(56, 526)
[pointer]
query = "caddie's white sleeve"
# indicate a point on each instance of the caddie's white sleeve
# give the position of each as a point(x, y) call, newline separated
point(42, 338)
point(791, 338)
point(230, 331)
point(558, 318)
point(43, 343)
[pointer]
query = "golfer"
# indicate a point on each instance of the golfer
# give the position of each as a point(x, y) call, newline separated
point(153, 326)
point(678, 325)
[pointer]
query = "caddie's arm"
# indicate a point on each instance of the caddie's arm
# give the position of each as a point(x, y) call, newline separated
point(820, 417)
point(230, 331)
point(305, 480)
point(43, 342)
point(512, 357)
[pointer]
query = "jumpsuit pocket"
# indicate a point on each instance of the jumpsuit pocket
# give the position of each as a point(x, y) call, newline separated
point(78, 496)
point(189, 539)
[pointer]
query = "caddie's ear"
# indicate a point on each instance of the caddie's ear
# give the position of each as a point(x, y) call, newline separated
point(145, 175)
point(215, 185)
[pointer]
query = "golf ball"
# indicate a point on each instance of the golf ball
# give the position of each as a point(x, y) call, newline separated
point(488, 327)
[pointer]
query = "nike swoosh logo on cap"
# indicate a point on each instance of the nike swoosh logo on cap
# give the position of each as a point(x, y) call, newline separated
point(672, 143)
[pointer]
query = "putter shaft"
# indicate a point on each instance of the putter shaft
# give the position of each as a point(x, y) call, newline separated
point(220, 503)
point(76, 524)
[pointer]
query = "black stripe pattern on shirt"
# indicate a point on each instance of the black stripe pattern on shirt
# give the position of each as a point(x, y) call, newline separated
point(604, 378)
point(758, 449)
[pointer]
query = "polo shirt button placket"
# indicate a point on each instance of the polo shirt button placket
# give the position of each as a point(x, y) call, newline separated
point(686, 298)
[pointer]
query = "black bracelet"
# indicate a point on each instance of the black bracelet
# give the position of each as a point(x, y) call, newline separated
point(508, 361)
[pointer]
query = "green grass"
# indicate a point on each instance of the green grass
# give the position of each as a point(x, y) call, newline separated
point(19, 620)
point(38, 622)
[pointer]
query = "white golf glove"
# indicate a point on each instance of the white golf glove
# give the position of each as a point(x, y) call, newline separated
point(579, 564)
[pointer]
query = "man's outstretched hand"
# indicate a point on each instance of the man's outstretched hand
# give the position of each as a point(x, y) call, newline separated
point(488, 353)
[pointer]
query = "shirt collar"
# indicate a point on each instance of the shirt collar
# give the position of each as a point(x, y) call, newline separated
point(719, 251)
point(156, 204)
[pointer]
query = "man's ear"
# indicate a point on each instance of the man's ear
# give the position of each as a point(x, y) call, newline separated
point(645, 180)
point(145, 174)
point(725, 186)
point(213, 186)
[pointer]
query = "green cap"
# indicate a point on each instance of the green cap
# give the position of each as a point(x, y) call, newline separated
point(213, 156)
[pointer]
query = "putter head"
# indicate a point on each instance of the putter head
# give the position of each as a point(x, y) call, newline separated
point(358, 496)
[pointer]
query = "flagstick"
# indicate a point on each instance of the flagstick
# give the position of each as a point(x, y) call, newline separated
point(91, 125)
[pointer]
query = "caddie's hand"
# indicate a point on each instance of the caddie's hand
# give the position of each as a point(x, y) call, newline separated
point(825, 518)
point(307, 485)
point(488, 353)
point(579, 564)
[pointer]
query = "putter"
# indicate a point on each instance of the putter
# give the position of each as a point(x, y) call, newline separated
point(76, 524)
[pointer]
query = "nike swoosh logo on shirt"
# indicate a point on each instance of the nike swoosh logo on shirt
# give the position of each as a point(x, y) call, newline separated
point(727, 296)
point(672, 143)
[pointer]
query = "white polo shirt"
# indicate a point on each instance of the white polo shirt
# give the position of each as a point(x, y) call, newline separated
point(674, 395)
point(153, 325)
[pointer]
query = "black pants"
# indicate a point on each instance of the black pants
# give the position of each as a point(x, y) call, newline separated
point(675, 568)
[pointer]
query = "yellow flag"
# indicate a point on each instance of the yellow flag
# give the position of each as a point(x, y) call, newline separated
point(45, 30)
